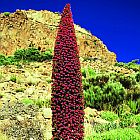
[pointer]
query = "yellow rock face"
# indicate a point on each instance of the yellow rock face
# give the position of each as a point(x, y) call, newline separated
point(39, 28)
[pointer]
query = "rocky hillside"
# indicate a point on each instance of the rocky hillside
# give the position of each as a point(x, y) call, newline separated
point(24, 28)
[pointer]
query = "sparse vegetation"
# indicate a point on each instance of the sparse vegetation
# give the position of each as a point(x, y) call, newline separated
point(26, 55)
point(6, 13)
point(13, 78)
point(119, 134)
point(131, 65)
point(96, 84)
point(25, 93)
point(109, 116)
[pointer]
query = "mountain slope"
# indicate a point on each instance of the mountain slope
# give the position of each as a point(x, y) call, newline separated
point(26, 28)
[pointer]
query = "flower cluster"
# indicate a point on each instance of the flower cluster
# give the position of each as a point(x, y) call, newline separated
point(67, 101)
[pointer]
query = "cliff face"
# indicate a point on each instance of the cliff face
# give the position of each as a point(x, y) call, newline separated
point(23, 28)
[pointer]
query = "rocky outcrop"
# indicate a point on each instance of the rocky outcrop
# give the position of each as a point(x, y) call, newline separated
point(26, 28)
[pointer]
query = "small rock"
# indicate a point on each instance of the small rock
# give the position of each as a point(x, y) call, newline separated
point(91, 112)
point(20, 118)
point(47, 113)
point(100, 121)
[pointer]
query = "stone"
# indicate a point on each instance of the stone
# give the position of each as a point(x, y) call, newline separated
point(47, 113)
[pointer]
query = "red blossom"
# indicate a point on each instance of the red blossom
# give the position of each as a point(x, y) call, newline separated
point(67, 102)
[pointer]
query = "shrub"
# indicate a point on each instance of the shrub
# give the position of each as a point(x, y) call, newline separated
point(123, 109)
point(2, 59)
point(129, 119)
point(131, 65)
point(86, 84)
point(49, 80)
point(42, 102)
point(13, 78)
point(114, 93)
point(133, 106)
point(101, 93)
point(20, 54)
point(138, 128)
point(88, 72)
point(30, 54)
point(133, 93)
point(67, 96)
point(100, 128)
point(128, 81)
point(89, 97)
point(33, 54)
point(138, 77)
point(9, 60)
point(20, 90)
point(27, 101)
point(117, 134)
point(6, 13)
point(102, 79)
point(90, 59)
point(109, 116)
point(91, 77)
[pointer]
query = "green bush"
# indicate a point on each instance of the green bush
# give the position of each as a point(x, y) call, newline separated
point(138, 76)
point(38, 102)
point(33, 54)
point(88, 72)
point(101, 79)
point(137, 119)
point(109, 116)
point(26, 55)
point(133, 106)
point(99, 91)
point(127, 82)
point(117, 134)
point(10, 60)
point(20, 54)
point(48, 80)
point(108, 90)
point(128, 120)
point(2, 59)
point(46, 55)
point(30, 54)
point(89, 97)
point(19, 90)
point(131, 65)
point(6, 13)
point(111, 95)
point(114, 93)
point(120, 64)
point(90, 59)
point(86, 84)
point(42, 102)
point(27, 101)
point(7, 60)
point(133, 93)
point(100, 128)
point(123, 109)
point(13, 78)
point(138, 128)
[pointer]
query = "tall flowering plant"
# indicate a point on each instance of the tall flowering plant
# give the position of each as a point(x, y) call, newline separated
point(67, 101)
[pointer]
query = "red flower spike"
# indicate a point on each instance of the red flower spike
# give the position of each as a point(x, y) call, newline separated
point(67, 102)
